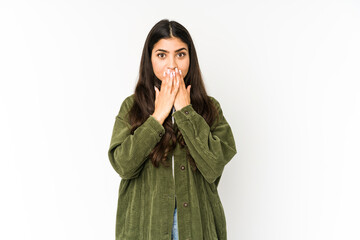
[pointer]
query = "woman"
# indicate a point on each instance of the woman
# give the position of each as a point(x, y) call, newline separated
point(170, 144)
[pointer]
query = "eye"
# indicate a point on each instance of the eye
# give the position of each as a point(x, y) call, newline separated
point(183, 54)
point(162, 55)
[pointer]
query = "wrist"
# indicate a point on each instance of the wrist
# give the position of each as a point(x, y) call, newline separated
point(159, 119)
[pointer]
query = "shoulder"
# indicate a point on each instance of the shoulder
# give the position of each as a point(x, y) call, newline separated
point(129, 100)
point(126, 105)
point(219, 115)
point(216, 103)
point(213, 99)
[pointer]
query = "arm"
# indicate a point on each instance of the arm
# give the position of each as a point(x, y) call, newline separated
point(127, 151)
point(212, 148)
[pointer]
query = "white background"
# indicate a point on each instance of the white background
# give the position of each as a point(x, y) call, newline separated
point(285, 72)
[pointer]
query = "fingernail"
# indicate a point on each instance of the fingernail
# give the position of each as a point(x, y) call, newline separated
point(168, 71)
point(180, 72)
point(164, 74)
point(176, 69)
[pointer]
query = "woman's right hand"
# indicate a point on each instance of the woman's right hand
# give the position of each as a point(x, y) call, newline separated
point(164, 99)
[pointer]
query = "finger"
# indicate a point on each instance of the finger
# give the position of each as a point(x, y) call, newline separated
point(175, 81)
point(156, 92)
point(166, 82)
point(176, 87)
point(188, 89)
point(181, 80)
point(171, 82)
point(178, 82)
point(164, 79)
point(178, 77)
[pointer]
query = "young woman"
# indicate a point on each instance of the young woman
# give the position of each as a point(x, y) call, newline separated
point(170, 144)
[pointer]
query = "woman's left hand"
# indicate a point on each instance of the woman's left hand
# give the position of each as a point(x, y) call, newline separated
point(182, 97)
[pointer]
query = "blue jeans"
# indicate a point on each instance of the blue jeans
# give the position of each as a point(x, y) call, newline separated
point(175, 232)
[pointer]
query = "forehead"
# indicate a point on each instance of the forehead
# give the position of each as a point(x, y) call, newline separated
point(170, 44)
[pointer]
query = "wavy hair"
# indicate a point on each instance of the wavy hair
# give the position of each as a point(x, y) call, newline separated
point(144, 97)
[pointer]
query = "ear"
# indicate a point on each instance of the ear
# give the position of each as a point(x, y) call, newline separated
point(188, 89)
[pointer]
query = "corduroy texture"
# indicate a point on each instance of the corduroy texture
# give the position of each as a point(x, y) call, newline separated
point(146, 199)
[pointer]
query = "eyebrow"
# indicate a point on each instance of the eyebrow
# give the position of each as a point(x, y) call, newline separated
point(162, 50)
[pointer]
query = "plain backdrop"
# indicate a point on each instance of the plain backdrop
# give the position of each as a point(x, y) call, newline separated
point(286, 74)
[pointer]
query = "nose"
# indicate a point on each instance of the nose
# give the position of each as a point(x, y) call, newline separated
point(172, 64)
point(171, 69)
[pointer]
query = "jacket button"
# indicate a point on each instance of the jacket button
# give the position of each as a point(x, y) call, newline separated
point(182, 167)
point(185, 204)
point(186, 112)
point(160, 134)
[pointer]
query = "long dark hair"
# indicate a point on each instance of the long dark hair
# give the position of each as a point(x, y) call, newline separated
point(144, 97)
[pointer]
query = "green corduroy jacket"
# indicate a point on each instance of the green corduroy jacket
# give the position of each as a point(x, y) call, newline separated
point(146, 198)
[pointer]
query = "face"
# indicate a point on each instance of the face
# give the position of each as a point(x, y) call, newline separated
point(170, 54)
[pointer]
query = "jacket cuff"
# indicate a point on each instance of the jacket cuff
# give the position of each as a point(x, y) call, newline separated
point(155, 127)
point(184, 113)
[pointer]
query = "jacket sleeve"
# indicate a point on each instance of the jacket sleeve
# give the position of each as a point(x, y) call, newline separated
point(127, 151)
point(211, 147)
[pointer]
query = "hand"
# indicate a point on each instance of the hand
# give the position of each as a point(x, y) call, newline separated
point(164, 99)
point(182, 98)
